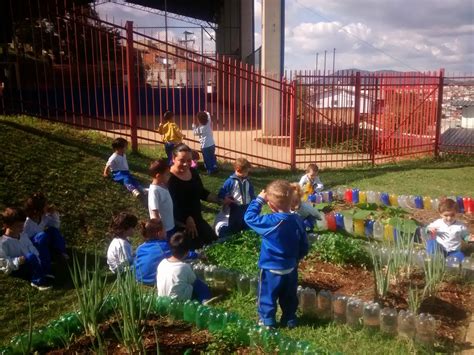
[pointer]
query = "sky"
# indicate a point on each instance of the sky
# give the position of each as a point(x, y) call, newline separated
point(404, 35)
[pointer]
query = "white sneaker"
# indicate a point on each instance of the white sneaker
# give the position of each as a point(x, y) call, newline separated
point(211, 300)
point(41, 287)
point(136, 193)
point(50, 276)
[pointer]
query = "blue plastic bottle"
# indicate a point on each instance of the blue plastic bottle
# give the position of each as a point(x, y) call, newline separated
point(418, 202)
point(385, 198)
point(460, 202)
point(355, 196)
point(330, 196)
point(339, 221)
point(369, 228)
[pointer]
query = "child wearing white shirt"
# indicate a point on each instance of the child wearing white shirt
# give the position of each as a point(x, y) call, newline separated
point(305, 210)
point(204, 132)
point(449, 233)
point(175, 278)
point(119, 253)
point(310, 182)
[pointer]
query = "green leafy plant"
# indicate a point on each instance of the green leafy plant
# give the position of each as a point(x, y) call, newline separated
point(415, 297)
point(382, 273)
point(435, 269)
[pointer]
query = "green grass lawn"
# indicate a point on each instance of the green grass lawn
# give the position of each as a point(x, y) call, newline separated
point(67, 166)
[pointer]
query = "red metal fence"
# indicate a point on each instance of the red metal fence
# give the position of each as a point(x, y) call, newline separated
point(74, 68)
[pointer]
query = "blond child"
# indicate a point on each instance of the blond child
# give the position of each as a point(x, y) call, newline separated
point(172, 135)
point(304, 209)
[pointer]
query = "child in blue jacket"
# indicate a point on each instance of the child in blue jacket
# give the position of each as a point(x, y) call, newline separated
point(284, 243)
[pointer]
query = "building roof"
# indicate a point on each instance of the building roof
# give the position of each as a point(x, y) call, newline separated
point(463, 103)
point(460, 140)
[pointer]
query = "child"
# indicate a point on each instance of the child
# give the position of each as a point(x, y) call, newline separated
point(119, 254)
point(160, 204)
point(208, 147)
point(175, 278)
point(18, 256)
point(152, 251)
point(42, 228)
point(310, 181)
point(304, 209)
point(236, 194)
point(450, 233)
point(284, 243)
point(194, 159)
point(172, 136)
point(118, 165)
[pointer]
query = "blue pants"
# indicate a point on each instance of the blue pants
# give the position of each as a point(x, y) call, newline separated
point(201, 291)
point(432, 245)
point(126, 179)
point(309, 223)
point(273, 287)
point(31, 270)
point(51, 240)
point(209, 156)
point(169, 146)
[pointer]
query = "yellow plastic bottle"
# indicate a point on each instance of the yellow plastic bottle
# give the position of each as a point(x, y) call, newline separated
point(362, 197)
point(388, 233)
point(359, 229)
point(427, 203)
point(393, 200)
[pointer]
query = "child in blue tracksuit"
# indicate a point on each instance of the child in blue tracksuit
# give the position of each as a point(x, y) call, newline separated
point(284, 243)
point(152, 251)
point(235, 194)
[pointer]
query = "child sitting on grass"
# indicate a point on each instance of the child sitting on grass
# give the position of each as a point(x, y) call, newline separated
point(119, 253)
point(175, 278)
point(18, 256)
point(208, 148)
point(304, 209)
point(284, 244)
point(310, 182)
point(449, 234)
point(172, 136)
point(118, 166)
point(42, 227)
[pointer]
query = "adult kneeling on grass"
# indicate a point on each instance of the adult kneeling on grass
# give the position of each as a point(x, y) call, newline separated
point(187, 191)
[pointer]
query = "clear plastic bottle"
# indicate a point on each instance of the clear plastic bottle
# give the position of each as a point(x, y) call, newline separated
point(435, 204)
point(411, 202)
point(308, 301)
point(371, 316)
point(348, 224)
point(198, 269)
point(425, 325)
point(339, 193)
point(468, 269)
point(209, 274)
point(406, 324)
point(322, 223)
point(339, 304)
point(388, 321)
point(243, 284)
point(372, 197)
point(402, 201)
point(453, 265)
point(253, 286)
point(324, 307)
point(378, 230)
point(354, 311)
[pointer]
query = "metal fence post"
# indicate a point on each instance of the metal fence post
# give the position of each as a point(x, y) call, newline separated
point(439, 113)
point(357, 100)
point(293, 125)
point(132, 109)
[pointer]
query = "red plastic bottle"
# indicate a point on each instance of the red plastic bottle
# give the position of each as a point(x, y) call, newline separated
point(331, 221)
point(348, 196)
point(468, 205)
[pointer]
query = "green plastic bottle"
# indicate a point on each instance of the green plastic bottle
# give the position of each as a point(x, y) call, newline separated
point(287, 347)
point(243, 331)
point(217, 320)
point(190, 308)
point(253, 286)
point(243, 284)
point(271, 340)
point(175, 310)
point(202, 317)
point(256, 335)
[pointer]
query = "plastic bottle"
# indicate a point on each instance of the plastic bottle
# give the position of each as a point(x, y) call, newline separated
point(355, 196)
point(243, 284)
point(325, 195)
point(323, 307)
point(362, 197)
point(427, 203)
point(231, 281)
point(322, 223)
point(286, 346)
point(388, 321)
point(348, 196)
point(460, 203)
point(256, 337)
point(371, 316)
point(339, 221)
point(393, 199)
point(425, 325)
point(378, 230)
point(385, 198)
point(468, 269)
point(348, 224)
point(411, 202)
point(330, 196)
point(359, 227)
point(270, 340)
point(253, 286)
point(406, 324)
point(435, 204)
point(308, 301)
point(339, 304)
point(202, 317)
point(452, 265)
point(419, 202)
point(402, 201)
point(331, 221)
point(371, 197)
point(220, 276)
point(388, 233)
point(354, 311)
point(369, 228)
point(175, 310)
point(299, 292)
point(198, 269)
point(340, 193)
point(190, 309)
point(209, 274)
point(468, 205)
point(217, 320)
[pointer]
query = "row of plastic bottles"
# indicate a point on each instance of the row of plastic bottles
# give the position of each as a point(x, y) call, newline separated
point(357, 313)
point(465, 204)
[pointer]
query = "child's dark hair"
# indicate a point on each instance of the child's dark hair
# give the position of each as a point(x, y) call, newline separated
point(242, 164)
point(158, 167)
point(195, 155)
point(312, 167)
point(11, 215)
point(35, 204)
point(150, 229)
point(203, 117)
point(168, 115)
point(181, 148)
point(119, 143)
point(447, 205)
point(121, 222)
point(179, 245)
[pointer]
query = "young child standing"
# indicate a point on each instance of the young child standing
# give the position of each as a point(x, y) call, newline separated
point(449, 233)
point(18, 256)
point(175, 278)
point(284, 243)
point(119, 253)
point(172, 136)
point(304, 209)
point(160, 204)
point(310, 182)
point(204, 132)
point(236, 194)
point(118, 166)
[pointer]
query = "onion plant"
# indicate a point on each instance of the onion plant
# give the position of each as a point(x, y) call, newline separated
point(402, 255)
point(415, 297)
point(382, 273)
point(435, 269)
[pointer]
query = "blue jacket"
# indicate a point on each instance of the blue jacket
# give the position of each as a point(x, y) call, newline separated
point(284, 240)
point(241, 190)
point(148, 256)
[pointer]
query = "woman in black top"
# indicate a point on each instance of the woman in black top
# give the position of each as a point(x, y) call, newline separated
point(187, 191)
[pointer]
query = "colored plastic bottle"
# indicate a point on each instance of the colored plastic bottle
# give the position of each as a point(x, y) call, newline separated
point(355, 196)
point(468, 205)
point(271, 340)
point(287, 346)
point(339, 221)
point(348, 224)
point(331, 222)
point(256, 337)
point(385, 198)
point(388, 233)
point(406, 324)
point(308, 301)
point(393, 199)
point(425, 326)
point(217, 320)
point(419, 202)
point(359, 227)
point(371, 316)
point(202, 317)
point(362, 197)
point(190, 310)
point(354, 311)
point(388, 321)
point(339, 304)
point(323, 305)
point(243, 284)
point(378, 230)
point(427, 203)
point(369, 228)
point(330, 196)
point(460, 202)
point(348, 196)
point(175, 310)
